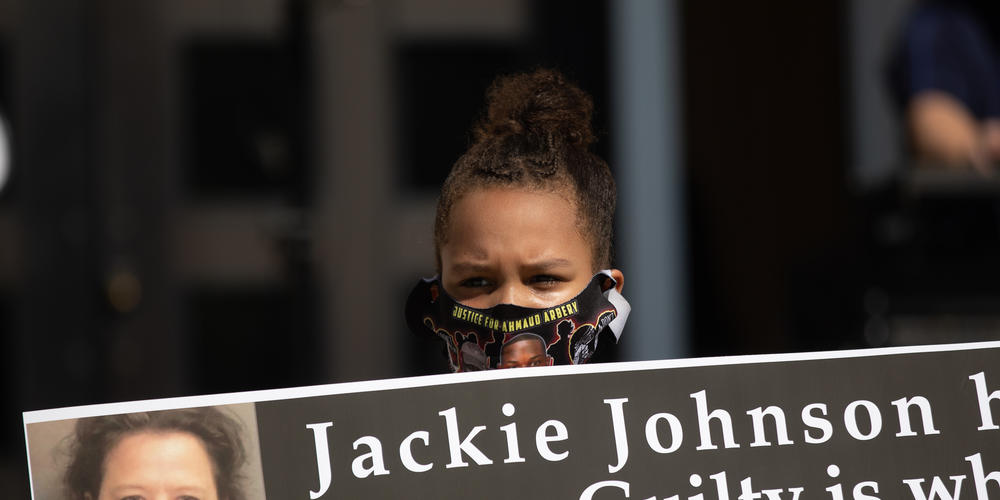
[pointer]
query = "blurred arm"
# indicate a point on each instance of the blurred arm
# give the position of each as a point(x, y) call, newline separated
point(943, 131)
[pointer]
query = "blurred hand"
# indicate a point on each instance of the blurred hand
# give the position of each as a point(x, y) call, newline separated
point(945, 132)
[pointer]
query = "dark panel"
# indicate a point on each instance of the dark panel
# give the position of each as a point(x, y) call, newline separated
point(13, 460)
point(440, 88)
point(933, 263)
point(244, 124)
point(252, 339)
point(61, 347)
point(441, 83)
point(9, 412)
point(773, 225)
point(5, 75)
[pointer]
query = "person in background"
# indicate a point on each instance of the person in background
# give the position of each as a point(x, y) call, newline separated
point(945, 75)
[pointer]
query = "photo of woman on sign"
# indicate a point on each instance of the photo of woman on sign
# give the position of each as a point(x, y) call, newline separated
point(205, 453)
point(190, 454)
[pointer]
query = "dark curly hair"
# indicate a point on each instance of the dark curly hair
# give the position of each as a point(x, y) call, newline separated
point(95, 437)
point(536, 134)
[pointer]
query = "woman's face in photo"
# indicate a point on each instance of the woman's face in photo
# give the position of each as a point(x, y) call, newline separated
point(514, 246)
point(158, 466)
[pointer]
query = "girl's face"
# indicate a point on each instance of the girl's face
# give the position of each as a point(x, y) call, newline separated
point(512, 246)
point(158, 466)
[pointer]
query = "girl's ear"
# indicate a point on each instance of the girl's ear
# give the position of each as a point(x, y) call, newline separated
point(619, 279)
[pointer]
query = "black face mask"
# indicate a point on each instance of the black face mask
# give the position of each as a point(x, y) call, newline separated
point(506, 336)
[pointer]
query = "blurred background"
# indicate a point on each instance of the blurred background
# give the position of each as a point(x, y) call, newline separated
point(209, 196)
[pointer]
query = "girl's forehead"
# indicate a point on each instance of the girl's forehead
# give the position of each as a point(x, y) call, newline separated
point(529, 224)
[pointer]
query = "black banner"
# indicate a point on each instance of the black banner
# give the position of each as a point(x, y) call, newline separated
point(909, 423)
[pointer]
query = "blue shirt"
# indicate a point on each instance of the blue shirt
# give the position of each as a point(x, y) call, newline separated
point(952, 47)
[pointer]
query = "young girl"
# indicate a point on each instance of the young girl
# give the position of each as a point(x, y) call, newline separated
point(523, 235)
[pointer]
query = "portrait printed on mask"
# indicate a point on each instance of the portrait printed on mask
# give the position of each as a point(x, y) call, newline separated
point(523, 350)
point(209, 453)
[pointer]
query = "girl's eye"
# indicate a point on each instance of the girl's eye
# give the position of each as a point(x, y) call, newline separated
point(187, 497)
point(132, 497)
point(544, 280)
point(474, 283)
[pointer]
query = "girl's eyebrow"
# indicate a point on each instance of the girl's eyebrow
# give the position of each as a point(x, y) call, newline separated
point(463, 267)
point(549, 264)
point(469, 267)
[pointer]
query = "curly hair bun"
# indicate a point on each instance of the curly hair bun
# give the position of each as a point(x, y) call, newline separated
point(542, 104)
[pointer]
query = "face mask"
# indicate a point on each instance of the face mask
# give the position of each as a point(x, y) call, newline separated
point(507, 336)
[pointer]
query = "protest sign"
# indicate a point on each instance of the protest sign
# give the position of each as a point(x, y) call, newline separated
point(898, 423)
